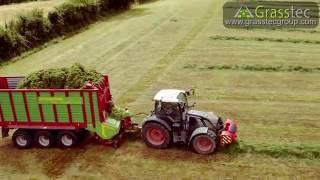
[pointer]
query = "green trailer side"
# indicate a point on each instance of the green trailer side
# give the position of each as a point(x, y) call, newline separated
point(78, 109)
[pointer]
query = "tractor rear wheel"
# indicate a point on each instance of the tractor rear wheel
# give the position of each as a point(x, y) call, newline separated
point(44, 139)
point(22, 139)
point(156, 136)
point(204, 144)
point(67, 139)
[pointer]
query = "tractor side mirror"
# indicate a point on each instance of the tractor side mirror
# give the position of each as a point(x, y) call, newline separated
point(190, 92)
point(193, 105)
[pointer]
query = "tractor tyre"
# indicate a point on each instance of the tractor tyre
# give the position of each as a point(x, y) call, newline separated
point(204, 143)
point(22, 139)
point(156, 136)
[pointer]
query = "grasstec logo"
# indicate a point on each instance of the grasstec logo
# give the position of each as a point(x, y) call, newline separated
point(265, 14)
point(243, 13)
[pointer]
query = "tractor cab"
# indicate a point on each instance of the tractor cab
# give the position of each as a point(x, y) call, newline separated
point(173, 121)
point(171, 104)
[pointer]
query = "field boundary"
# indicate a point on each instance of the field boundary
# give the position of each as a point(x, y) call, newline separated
point(9, 2)
point(33, 29)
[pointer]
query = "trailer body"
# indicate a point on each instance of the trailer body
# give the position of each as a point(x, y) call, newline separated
point(57, 109)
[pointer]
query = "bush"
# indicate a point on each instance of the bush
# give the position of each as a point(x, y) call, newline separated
point(119, 4)
point(33, 27)
point(4, 2)
point(11, 44)
point(72, 16)
point(145, 1)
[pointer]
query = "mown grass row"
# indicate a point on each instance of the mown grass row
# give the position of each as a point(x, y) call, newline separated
point(268, 39)
point(298, 30)
point(255, 67)
point(303, 151)
point(33, 29)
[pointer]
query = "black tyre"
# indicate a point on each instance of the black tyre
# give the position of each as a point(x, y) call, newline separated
point(67, 139)
point(204, 143)
point(44, 139)
point(22, 139)
point(82, 134)
point(156, 136)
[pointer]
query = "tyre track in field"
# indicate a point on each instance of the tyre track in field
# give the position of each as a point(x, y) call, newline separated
point(152, 74)
point(118, 48)
point(131, 41)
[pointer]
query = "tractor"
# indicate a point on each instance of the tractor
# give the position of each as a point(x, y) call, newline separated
point(174, 121)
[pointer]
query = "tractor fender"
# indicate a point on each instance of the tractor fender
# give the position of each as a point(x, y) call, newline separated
point(157, 120)
point(199, 130)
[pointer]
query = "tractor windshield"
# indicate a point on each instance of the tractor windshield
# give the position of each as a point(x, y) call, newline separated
point(183, 98)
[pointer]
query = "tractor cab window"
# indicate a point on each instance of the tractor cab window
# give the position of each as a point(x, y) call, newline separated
point(171, 110)
point(183, 98)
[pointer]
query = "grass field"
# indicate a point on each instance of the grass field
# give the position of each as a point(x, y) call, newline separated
point(8, 12)
point(173, 44)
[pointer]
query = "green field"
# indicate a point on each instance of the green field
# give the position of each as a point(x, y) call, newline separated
point(9, 12)
point(173, 44)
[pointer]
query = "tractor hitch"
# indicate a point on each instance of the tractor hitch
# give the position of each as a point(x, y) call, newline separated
point(129, 127)
point(229, 134)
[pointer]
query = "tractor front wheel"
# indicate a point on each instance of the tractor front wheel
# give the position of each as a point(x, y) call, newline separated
point(156, 136)
point(204, 144)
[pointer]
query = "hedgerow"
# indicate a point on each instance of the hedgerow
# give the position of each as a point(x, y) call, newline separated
point(33, 29)
point(145, 1)
point(4, 2)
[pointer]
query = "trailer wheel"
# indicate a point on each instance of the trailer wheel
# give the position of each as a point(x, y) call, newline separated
point(204, 144)
point(44, 139)
point(156, 136)
point(67, 139)
point(22, 139)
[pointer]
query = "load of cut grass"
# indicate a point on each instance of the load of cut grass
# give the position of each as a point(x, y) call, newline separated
point(119, 113)
point(74, 77)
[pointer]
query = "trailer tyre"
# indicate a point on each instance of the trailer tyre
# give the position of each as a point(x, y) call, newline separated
point(67, 139)
point(22, 139)
point(44, 139)
point(156, 136)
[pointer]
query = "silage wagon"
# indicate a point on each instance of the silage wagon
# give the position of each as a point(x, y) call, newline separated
point(45, 117)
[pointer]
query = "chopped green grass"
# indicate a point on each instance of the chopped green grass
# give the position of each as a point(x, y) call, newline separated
point(74, 77)
point(255, 67)
point(306, 151)
point(280, 40)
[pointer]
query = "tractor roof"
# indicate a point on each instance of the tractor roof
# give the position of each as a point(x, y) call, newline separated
point(170, 95)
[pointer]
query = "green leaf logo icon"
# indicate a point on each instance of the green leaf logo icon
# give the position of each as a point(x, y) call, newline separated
point(243, 13)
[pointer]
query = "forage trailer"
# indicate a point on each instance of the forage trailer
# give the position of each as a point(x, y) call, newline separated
point(45, 117)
